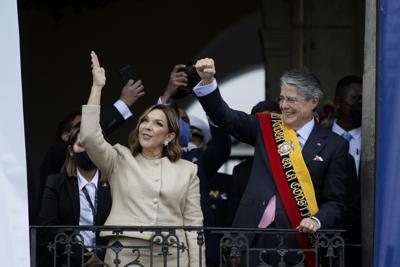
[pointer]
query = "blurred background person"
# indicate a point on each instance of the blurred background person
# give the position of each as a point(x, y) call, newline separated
point(348, 97)
point(75, 197)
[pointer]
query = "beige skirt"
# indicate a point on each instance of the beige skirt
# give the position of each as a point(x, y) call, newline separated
point(137, 252)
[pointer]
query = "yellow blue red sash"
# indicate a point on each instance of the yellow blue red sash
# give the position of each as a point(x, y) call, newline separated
point(290, 173)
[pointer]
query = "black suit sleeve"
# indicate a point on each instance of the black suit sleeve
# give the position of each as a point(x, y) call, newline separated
point(48, 214)
point(239, 124)
point(217, 152)
point(110, 119)
point(335, 189)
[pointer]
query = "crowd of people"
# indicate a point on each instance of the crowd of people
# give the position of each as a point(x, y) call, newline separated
point(304, 173)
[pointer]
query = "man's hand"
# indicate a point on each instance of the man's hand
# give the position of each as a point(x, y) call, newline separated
point(206, 69)
point(176, 79)
point(91, 262)
point(308, 225)
point(131, 92)
point(98, 73)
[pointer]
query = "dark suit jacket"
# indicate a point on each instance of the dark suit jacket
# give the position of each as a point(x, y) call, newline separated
point(240, 179)
point(330, 177)
point(61, 206)
point(208, 162)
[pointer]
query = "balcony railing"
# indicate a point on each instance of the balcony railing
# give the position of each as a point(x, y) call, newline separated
point(62, 246)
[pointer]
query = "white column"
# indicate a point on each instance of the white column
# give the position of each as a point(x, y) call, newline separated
point(14, 225)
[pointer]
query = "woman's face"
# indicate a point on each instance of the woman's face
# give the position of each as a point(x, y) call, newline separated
point(153, 132)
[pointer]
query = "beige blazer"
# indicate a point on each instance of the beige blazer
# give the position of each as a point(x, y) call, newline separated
point(145, 192)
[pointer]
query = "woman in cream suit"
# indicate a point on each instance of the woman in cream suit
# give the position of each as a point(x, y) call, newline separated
point(150, 184)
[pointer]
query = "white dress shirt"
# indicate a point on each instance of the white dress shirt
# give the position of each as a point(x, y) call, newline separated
point(86, 214)
point(354, 143)
point(304, 132)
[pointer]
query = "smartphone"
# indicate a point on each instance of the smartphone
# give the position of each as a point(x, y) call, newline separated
point(127, 74)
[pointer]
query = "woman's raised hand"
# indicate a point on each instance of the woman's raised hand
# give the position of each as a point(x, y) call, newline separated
point(99, 76)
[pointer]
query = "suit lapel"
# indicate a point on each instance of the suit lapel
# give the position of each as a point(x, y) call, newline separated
point(73, 191)
point(102, 199)
point(315, 142)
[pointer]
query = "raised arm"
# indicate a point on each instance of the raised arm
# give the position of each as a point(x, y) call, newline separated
point(239, 124)
point(114, 116)
point(177, 79)
point(103, 155)
point(99, 80)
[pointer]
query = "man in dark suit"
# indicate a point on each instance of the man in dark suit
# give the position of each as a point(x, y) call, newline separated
point(325, 155)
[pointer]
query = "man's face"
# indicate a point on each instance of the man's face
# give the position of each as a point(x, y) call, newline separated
point(353, 96)
point(296, 110)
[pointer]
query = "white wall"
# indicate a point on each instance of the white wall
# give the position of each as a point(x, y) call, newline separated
point(14, 230)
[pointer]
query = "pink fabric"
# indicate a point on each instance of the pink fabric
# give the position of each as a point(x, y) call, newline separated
point(269, 213)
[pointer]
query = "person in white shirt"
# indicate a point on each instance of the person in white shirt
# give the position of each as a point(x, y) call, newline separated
point(348, 97)
point(75, 197)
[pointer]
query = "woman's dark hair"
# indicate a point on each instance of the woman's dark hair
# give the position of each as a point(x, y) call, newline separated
point(70, 165)
point(172, 151)
point(66, 124)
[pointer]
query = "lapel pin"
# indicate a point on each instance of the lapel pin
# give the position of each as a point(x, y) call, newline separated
point(318, 144)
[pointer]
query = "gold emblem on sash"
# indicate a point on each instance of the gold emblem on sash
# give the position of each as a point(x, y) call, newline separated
point(285, 148)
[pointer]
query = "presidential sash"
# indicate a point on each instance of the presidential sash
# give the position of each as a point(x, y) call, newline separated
point(290, 173)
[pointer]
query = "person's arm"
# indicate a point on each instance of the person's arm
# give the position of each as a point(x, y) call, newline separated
point(103, 155)
point(48, 214)
point(239, 124)
point(111, 118)
point(335, 189)
point(176, 80)
point(192, 216)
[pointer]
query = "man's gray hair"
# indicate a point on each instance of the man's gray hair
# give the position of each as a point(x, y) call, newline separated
point(305, 81)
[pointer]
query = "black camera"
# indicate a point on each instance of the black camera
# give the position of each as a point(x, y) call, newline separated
point(193, 80)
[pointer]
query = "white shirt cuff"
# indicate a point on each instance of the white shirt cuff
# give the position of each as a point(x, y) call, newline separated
point(203, 90)
point(160, 102)
point(317, 220)
point(123, 109)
